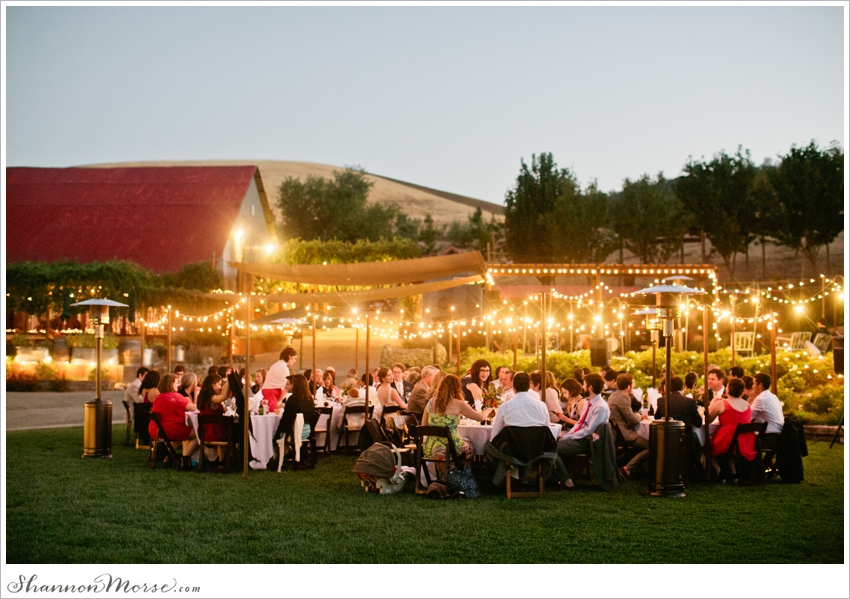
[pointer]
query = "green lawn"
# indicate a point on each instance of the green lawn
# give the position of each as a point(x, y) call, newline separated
point(63, 509)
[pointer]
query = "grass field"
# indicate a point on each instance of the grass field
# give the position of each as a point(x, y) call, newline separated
point(63, 509)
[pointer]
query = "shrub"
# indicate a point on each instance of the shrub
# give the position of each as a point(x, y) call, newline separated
point(18, 379)
point(84, 340)
point(827, 399)
point(45, 372)
point(105, 370)
point(59, 384)
point(11, 350)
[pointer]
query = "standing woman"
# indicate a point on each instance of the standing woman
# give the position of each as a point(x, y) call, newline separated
point(477, 383)
point(148, 389)
point(445, 409)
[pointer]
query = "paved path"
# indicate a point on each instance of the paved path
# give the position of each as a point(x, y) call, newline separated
point(50, 409)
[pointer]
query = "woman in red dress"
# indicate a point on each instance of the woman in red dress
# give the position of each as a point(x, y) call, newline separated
point(731, 411)
point(171, 408)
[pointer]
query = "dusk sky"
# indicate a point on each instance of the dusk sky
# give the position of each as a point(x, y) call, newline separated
point(447, 97)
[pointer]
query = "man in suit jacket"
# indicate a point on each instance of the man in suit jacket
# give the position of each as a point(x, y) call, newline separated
point(620, 404)
point(399, 384)
point(681, 407)
point(419, 394)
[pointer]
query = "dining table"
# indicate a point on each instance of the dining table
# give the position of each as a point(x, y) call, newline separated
point(643, 430)
point(335, 423)
point(262, 441)
point(480, 434)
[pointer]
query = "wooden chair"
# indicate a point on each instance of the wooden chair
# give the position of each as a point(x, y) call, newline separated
point(347, 429)
point(163, 440)
point(745, 343)
point(432, 431)
point(757, 465)
point(129, 428)
point(379, 435)
point(226, 422)
point(622, 446)
point(823, 342)
point(308, 458)
point(141, 419)
point(326, 428)
point(794, 340)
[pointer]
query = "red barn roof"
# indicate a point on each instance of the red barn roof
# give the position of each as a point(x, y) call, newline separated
point(161, 218)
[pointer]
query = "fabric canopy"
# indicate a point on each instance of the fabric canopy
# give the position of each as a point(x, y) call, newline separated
point(356, 297)
point(369, 273)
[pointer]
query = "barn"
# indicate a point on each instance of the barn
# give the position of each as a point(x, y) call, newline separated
point(161, 218)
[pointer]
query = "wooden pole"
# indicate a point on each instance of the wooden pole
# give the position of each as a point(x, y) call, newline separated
point(247, 388)
point(356, 346)
point(514, 368)
point(368, 390)
point(313, 373)
point(230, 346)
point(458, 348)
point(168, 342)
point(732, 329)
point(543, 311)
point(823, 297)
point(144, 326)
point(706, 403)
point(772, 326)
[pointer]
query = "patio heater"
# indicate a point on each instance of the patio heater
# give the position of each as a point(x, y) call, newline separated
point(97, 421)
point(653, 325)
point(667, 437)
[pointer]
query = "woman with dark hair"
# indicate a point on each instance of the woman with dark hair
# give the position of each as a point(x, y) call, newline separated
point(171, 407)
point(477, 382)
point(148, 389)
point(690, 383)
point(445, 409)
point(214, 391)
point(329, 390)
point(259, 379)
point(387, 394)
point(300, 402)
point(572, 401)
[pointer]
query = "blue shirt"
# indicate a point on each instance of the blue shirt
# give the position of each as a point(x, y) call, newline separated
point(597, 412)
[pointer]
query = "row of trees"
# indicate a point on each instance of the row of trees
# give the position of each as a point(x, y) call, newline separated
point(321, 209)
point(798, 203)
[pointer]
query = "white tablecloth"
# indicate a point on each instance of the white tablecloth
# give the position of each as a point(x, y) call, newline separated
point(643, 430)
point(262, 444)
point(479, 435)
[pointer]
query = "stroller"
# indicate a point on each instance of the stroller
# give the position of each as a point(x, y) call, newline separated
point(379, 469)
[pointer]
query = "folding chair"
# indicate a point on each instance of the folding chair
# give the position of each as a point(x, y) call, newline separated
point(308, 459)
point(162, 438)
point(432, 431)
point(755, 468)
point(226, 424)
point(347, 428)
point(141, 419)
point(129, 428)
point(325, 428)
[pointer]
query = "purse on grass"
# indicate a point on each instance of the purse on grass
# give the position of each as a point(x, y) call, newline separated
point(461, 479)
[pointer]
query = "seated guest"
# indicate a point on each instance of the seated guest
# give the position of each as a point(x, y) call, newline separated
point(497, 376)
point(610, 377)
point(435, 382)
point(179, 371)
point(211, 396)
point(766, 407)
point(259, 379)
point(171, 407)
point(273, 386)
point(553, 407)
point(716, 384)
point(681, 407)
point(620, 405)
point(506, 380)
point(387, 393)
point(525, 411)
point(189, 386)
point(736, 372)
point(300, 402)
point(572, 401)
point(419, 394)
point(596, 413)
point(351, 378)
point(131, 393)
point(731, 412)
point(148, 390)
point(445, 409)
point(748, 388)
point(330, 392)
point(690, 384)
point(477, 382)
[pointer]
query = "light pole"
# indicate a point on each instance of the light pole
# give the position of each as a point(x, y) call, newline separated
point(97, 422)
point(666, 437)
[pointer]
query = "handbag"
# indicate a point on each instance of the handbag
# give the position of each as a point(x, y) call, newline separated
point(462, 480)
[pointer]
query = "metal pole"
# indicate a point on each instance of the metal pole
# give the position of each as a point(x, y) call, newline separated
point(247, 388)
point(368, 331)
point(653, 343)
point(732, 328)
point(99, 335)
point(668, 375)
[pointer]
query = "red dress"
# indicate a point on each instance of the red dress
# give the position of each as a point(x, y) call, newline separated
point(729, 421)
point(171, 408)
point(213, 432)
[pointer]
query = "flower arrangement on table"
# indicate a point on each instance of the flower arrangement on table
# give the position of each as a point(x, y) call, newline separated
point(491, 397)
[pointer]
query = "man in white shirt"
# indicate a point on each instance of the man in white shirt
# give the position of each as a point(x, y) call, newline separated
point(523, 410)
point(131, 393)
point(506, 378)
point(596, 412)
point(766, 407)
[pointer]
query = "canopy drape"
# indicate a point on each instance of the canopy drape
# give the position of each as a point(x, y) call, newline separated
point(356, 297)
point(369, 273)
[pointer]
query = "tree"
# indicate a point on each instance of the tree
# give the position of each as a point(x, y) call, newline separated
point(809, 199)
point(549, 219)
point(429, 234)
point(326, 209)
point(718, 197)
point(649, 218)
